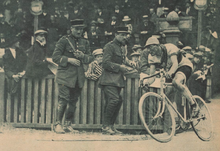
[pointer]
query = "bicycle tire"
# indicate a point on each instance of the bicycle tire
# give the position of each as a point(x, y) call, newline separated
point(161, 128)
point(203, 126)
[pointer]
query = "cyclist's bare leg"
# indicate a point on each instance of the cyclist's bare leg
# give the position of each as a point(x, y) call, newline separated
point(179, 83)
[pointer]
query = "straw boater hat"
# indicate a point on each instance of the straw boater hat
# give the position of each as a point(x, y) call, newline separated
point(40, 31)
point(135, 47)
point(145, 16)
point(135, 54)
point(126, 18)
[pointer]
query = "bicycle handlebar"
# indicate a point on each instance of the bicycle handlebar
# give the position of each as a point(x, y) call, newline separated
point(160, 72)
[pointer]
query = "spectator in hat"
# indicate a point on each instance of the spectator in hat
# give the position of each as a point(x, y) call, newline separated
point(187, 52)
point(135, 56)
point(118, 13)
point(94, 36)
point(36, 63)
point(137, 48)
point(5, 28)
point(153, 16)
point(110, 28)
point(197, 86)
point(146, 29)
point(72, 54)
point(14, 63)
point(127, 23)
point(178, 11)
point(95, 68)
point(112, 79)
point(165, 12)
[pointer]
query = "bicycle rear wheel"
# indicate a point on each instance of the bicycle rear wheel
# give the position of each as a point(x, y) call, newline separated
point(202, 124)
point(156, 117)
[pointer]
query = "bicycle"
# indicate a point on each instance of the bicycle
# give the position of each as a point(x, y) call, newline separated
point(156, 112)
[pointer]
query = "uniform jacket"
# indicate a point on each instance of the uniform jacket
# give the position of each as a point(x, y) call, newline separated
point(113, 57)
point(13, 65)
point(68, 74)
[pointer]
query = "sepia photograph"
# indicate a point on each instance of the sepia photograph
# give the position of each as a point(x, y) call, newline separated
point(104, 75)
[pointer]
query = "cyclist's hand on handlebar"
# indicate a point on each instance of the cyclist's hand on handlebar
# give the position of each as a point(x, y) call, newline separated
point(168, 75)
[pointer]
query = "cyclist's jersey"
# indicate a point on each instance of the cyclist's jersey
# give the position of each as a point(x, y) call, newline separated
point(171, 50)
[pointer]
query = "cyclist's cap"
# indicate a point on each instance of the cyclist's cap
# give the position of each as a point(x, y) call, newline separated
point(151, 41)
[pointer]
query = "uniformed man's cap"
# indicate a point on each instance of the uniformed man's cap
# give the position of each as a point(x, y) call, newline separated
point(97, 52)
point(77, 23)
point(122, 29)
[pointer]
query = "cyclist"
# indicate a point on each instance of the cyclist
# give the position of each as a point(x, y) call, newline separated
point(178, 68)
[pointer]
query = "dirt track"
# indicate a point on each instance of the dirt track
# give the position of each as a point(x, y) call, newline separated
point(29, 139)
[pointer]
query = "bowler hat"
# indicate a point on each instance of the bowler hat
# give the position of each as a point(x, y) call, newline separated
point(77, 23)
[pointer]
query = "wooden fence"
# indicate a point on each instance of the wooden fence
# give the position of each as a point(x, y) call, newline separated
point(34, 104)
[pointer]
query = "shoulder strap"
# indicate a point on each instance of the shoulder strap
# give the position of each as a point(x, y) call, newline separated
point(71, 44)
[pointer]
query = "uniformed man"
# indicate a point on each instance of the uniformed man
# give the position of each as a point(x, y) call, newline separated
point(71, 53)
point(112, 79)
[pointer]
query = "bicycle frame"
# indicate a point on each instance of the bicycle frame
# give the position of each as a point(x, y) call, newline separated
point(165, 99)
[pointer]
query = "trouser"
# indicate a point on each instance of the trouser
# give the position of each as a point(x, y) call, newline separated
point(112, 105)
point(67, 99)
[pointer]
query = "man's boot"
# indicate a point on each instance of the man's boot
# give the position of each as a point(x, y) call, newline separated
point(107, 130)
point(115, 130)
point(68, 128)
point(58, 129)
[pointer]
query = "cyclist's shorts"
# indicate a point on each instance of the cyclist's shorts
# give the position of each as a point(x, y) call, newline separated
point(185, 70)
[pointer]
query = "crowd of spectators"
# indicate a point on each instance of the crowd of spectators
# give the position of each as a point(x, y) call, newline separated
point(100, 18)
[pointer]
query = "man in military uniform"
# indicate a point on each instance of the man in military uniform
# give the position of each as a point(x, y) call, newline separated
point(71, 53)
point(112, 79)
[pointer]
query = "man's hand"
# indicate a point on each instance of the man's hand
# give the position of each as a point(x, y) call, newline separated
point(16, 77)
point(79, 54)
point(74, 61)
point(125, 68)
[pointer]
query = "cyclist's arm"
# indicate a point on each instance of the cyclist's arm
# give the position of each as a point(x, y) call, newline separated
point(152, 71)
point(174, 66)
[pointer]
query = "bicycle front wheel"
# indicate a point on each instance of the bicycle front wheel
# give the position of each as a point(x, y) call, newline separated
point(202, 124)
point(156, 117)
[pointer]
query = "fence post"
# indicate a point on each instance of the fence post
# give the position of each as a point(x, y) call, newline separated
point(2, 95)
